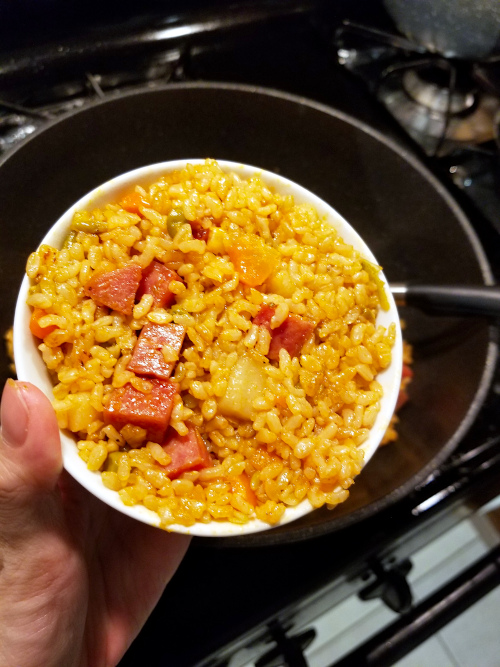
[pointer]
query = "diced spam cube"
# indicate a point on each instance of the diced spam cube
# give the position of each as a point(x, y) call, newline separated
point(150, 411)
point(403, 398)
point(188, 452)
point(407, 371)
point(291, 335)
point(148, 358)
point(156, 279)
point(199, 232)
point(115, 289)
point(264, 316)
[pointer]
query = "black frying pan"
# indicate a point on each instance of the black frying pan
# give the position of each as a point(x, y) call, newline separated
point(414, 227)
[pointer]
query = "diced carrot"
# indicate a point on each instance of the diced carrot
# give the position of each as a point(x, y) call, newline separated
point(281, 402)
point(147, 357)
point(188, 452)
point(115, 289)
point(241, 485)
point(260, 457)
point(253, 260)
point(35, 328)
point(133, 202)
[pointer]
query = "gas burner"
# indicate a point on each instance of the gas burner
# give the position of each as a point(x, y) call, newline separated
point(430, 87)
point(437, 114)
point(441, 103)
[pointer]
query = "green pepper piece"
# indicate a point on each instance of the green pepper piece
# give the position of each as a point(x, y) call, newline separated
point(373, 271)
point(84, 221)
point(90, 227)
point(112, 461)
point(70, 239)
point(178, 310)
point(175, 220)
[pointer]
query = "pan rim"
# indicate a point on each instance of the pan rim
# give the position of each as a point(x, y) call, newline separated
point(404, 153)
point(270, 538)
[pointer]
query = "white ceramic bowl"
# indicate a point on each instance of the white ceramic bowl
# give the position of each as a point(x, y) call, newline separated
point(30, 366)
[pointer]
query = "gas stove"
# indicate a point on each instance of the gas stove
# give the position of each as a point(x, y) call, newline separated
point(446, 115)
point(449, 108)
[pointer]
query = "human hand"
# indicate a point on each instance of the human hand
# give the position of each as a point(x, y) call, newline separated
point(77, 578)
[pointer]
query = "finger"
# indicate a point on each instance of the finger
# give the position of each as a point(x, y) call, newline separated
point(30, 448)
point(42, 581)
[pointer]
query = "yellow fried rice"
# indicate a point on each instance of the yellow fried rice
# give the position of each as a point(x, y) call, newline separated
point(305, 417)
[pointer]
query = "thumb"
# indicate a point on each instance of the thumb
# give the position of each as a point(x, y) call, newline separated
point(30, 448)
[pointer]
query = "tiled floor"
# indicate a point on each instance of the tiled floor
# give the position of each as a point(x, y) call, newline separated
point(471, 640)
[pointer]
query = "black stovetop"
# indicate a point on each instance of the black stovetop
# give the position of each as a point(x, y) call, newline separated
point(201, 619)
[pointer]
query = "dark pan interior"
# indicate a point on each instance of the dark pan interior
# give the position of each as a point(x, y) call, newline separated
point(414, 228)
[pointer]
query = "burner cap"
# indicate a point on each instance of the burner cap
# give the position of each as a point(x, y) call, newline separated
point(430, 88)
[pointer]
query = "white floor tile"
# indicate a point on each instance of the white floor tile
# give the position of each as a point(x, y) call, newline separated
point(488, 530)
point(472, 640)
point(425, 584)
point(326, 649)
point(491, 506)
point(346, 626)
point(431, 653)
point(474, 637)
point(437, 552)
point(347, 615)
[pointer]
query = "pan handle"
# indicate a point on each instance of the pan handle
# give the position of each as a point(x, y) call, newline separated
point(459, 300)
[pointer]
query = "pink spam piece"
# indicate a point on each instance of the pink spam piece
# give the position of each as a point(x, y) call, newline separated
point(403, 396)
point(147, 357)
point(188, 452)
point(115, 289)
point(150, 411)
point(156, 279)
point(291, 335)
